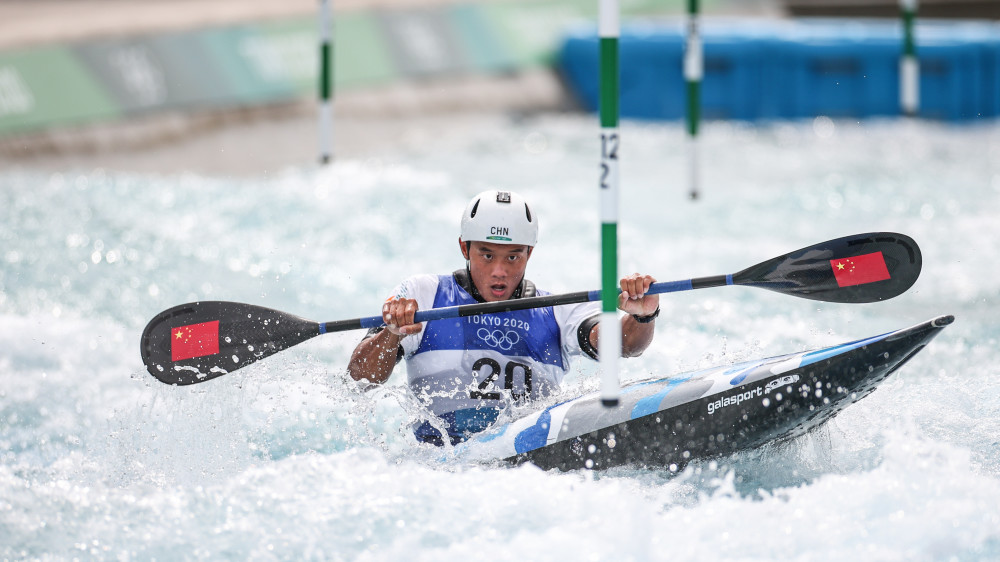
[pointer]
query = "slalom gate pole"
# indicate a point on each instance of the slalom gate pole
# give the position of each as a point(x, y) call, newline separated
point(909, 67)
point(609, 346)
point(325, 82)
point(693, 72)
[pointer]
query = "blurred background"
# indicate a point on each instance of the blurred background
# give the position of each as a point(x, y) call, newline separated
point(203, 85)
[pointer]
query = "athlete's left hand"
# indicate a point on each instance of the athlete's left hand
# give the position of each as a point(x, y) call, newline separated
point(634, 299)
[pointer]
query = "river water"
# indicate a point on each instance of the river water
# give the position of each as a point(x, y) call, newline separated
point(287, 460)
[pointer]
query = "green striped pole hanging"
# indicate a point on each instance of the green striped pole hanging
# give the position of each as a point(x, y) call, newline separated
point(909, 68)
point(693, 71)
point(325, 83)
point(609, 347)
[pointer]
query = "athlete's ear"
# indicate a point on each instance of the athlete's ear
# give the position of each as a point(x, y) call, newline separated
point(530, 249)
point(464, 247)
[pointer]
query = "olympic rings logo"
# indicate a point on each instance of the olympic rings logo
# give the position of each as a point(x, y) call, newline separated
point(500, 339)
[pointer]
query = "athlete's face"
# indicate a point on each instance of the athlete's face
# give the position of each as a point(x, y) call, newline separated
point(497, 269)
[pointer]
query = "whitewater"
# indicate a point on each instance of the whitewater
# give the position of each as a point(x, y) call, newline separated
point(288, 459)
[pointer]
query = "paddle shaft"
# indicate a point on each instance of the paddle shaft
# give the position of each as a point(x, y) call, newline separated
point(521, 304)
point(195, 342)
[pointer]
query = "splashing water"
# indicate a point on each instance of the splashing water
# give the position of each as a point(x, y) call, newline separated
point(287, 459)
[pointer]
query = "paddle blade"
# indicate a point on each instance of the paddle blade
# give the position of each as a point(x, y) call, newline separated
point(200, 341)
point(855, 269)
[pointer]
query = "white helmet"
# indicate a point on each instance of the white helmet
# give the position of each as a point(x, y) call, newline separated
point(501, 217)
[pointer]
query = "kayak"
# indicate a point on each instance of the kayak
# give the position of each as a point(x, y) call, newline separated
point(669, 422)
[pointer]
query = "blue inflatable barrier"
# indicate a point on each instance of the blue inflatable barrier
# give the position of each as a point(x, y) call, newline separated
point(782, 70)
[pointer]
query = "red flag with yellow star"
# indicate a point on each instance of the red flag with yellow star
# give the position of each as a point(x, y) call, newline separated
point(194, 340)
point(866, 268)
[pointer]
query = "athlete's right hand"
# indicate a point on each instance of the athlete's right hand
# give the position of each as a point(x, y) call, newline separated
point(398, 316)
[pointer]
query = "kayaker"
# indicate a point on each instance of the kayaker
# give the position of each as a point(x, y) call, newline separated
point(466, 369)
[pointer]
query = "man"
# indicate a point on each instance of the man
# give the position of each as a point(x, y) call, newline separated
point(466, 369)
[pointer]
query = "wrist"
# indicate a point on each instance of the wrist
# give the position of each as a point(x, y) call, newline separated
point(647, 318)
point(389, 336)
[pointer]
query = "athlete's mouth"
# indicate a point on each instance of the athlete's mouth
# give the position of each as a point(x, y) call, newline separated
point(498, 289)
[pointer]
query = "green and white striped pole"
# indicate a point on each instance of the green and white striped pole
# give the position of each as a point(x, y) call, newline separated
point(609, 346)
point(909, 67)
point(693, 71)
point(325, 82)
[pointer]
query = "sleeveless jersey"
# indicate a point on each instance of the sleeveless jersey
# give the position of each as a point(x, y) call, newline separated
point(466, 369)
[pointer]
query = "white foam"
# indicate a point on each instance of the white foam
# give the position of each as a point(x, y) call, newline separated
point(288, 459)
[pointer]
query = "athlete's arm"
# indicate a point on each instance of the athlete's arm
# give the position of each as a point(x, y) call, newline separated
point(636, 335)
point(375, 357)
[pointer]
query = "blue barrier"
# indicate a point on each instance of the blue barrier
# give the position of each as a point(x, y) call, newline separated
point(991, 85)
point(781, 70)
point(950, 82)
point(651, 80)
point(839, 79)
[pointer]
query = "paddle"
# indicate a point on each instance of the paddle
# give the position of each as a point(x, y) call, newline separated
point(200, 341)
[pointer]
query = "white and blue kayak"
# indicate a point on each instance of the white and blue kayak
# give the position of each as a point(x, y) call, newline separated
point(669, 422)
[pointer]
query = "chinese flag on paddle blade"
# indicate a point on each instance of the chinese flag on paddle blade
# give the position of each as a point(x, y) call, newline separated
point(194, 340)
point(866, 268)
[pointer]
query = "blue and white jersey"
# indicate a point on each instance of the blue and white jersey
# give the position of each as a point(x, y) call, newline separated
point(465, 369)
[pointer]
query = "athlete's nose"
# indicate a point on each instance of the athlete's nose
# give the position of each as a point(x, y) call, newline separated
point(498, 271)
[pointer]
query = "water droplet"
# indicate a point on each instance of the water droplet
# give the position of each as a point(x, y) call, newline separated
point(535, 142)
point(824, 127)
point(927, 211)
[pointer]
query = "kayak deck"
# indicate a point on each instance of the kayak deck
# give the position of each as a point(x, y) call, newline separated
point(714, 412)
